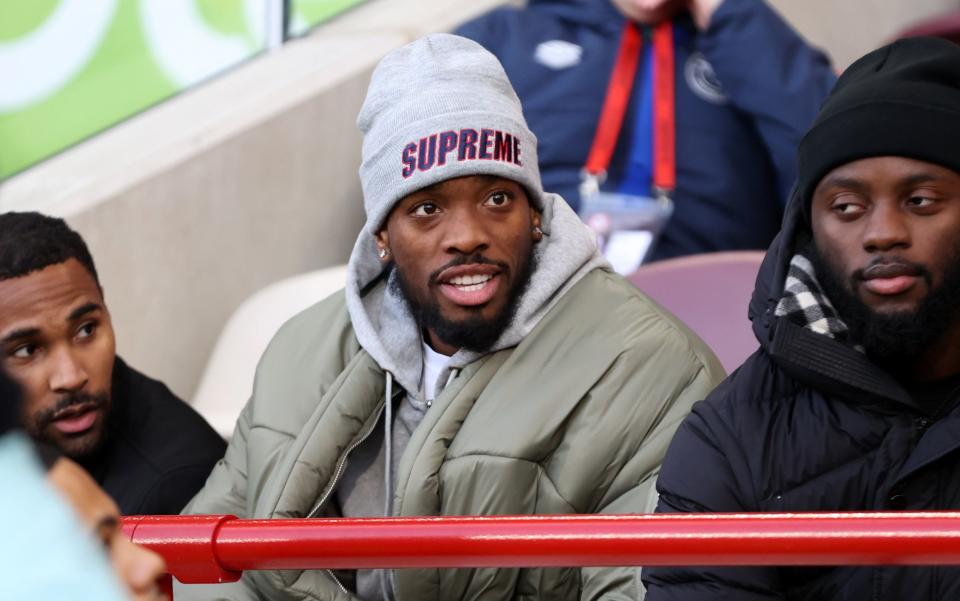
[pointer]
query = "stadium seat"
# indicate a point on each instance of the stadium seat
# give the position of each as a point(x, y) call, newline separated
point(709, 293)
point(227, 381)
point(946, 25)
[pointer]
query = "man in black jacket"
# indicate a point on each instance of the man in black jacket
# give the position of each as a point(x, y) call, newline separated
point(148, 449)
point(851, 402)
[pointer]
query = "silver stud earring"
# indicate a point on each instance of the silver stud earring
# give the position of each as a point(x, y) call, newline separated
point(537, 231)
point(383, 253)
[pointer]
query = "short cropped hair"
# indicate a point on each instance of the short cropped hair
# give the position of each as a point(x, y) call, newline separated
point(31, 241)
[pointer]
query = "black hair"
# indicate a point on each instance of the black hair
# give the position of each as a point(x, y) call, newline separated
point(31, 241)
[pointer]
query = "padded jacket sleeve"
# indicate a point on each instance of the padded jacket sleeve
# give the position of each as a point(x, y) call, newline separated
point(693, 378)
point(771, 75)
point(224, 493)
point(705, 471)
point(226, 489)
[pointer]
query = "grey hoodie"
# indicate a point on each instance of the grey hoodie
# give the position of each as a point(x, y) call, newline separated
point(386, 329)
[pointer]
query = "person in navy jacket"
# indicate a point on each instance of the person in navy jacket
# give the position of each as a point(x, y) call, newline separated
point(747, 87)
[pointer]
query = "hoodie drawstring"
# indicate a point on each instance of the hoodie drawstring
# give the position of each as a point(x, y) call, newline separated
point(385, 575)
point(453, 374)
point(388, 447)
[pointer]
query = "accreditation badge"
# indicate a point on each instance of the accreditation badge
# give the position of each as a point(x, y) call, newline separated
point(627, 225)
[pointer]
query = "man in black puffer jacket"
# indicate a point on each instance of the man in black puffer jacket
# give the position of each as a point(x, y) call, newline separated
point(851, 401)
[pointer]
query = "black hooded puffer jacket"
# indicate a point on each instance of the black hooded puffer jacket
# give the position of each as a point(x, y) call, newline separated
point(808, 423)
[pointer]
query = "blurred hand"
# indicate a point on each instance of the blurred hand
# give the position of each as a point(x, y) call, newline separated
point(136, 567)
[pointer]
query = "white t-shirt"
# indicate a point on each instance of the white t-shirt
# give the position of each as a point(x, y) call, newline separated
point(433, 364)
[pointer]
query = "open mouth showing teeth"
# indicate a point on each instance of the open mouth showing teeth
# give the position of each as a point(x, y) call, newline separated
point(470, 283)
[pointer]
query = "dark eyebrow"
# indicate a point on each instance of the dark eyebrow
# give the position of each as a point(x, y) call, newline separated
point(435, 187)
point(77, 313)
point(838, 181)
point(83, 310)
point(18, 334)
point(919, 178)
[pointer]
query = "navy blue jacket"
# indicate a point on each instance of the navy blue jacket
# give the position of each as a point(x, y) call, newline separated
point(808, 424)
point(735, 154)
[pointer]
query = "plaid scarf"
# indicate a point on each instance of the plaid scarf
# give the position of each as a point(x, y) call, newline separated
point(805, 304)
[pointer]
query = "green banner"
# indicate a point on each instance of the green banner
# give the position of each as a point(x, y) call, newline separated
point(71, 68)
point(307, 14)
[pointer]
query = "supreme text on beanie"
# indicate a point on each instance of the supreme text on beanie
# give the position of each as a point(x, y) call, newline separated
point(440, 108)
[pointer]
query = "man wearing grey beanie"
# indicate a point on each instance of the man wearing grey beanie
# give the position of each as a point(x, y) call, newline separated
point(482, 360)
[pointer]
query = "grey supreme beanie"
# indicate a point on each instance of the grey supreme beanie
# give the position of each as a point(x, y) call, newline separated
point(440, 108)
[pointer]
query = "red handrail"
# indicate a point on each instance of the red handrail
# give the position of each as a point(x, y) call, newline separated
point(218, 548)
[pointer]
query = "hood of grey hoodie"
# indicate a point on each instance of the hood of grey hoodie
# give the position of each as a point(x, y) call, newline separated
point(387, 330)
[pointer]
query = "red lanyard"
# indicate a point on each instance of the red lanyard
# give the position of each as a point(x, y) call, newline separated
point(615, 107)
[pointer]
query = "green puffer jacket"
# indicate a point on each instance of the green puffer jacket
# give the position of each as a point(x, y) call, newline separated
point(576, 419)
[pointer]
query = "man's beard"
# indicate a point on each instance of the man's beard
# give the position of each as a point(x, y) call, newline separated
point(476, 333)
point(893, 338)
point(40, 423)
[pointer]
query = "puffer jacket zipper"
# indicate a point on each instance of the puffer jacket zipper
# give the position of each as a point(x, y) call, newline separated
point(342, 464)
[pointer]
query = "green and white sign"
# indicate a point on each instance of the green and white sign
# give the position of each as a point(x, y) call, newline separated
point(307, 14)
point(71, 68)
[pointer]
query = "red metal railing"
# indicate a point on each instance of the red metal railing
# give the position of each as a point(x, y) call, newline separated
point(208, 549)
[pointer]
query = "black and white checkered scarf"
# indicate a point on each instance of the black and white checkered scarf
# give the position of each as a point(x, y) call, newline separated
point(805, 303)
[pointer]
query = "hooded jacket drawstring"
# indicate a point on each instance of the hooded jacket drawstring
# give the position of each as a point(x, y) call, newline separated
point(453, 374)
point(385, 579)
point(386, 576)
point(388, 446)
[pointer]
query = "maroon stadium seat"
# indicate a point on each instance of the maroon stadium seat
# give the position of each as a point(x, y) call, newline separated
point(946, 25)
point(709, 293)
